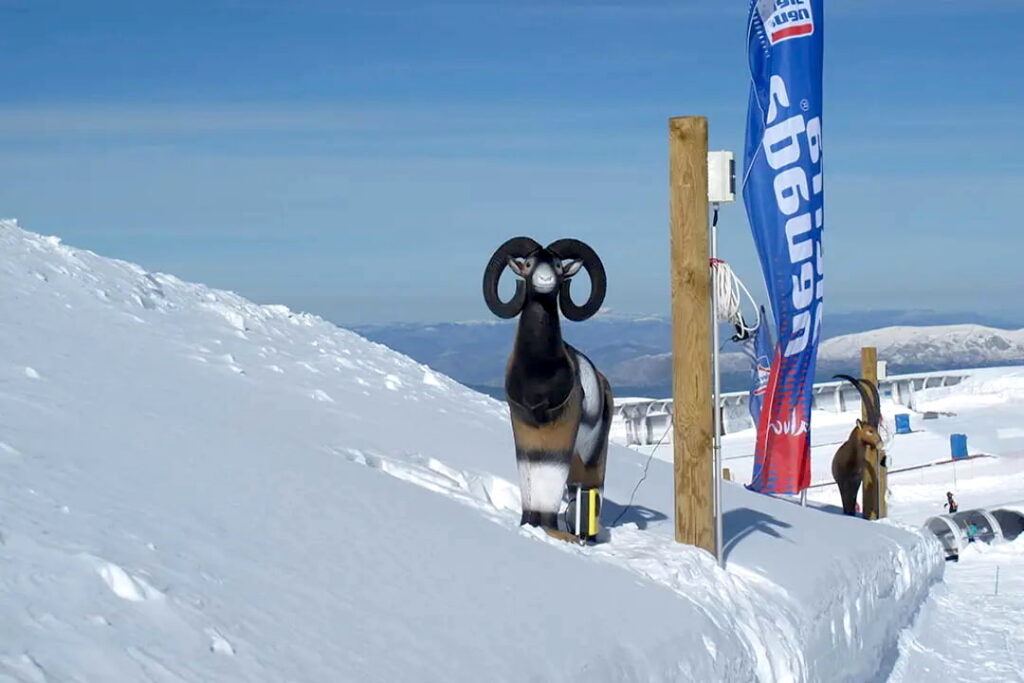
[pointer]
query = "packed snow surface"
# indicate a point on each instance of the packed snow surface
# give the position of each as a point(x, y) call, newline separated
point(972, 628)
point(197, 488)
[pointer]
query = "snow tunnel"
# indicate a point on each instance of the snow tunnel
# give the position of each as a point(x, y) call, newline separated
point(1011, 522)
point(957, 530)
point(948, 533)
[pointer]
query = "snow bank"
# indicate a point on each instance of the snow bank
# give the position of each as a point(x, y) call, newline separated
point(194, 487)
point(986, 387)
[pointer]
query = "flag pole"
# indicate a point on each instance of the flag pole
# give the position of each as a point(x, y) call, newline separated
point(716, 442)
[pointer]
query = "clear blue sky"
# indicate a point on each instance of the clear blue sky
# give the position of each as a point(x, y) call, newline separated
point(362, 159)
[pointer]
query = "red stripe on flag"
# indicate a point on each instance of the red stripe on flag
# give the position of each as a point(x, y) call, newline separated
point(791, 31)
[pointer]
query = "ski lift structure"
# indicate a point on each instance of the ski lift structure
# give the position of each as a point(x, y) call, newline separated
point(995, 526)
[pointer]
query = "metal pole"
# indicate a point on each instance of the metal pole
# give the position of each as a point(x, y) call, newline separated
point(716, 443)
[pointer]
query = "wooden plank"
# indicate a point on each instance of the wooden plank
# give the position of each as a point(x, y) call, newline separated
point(873, 500)
point(691, 331)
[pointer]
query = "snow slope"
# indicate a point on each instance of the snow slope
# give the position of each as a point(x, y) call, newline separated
point(972, 628)
point(194, 487)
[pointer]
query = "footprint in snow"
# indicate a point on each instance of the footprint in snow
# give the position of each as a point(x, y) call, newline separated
point(321, 395)
point(8, 452)
point(483, 491)
point(219, 644)
point(228, 360)
point(31, 373)
point(124, 585)
point(22, 668)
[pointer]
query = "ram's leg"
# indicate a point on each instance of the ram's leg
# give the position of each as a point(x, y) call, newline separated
point(591, 456)
point(848, 488)
point(543, 452)
point(542, 477)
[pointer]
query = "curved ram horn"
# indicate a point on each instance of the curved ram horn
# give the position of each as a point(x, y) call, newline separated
point(517, 247)
point(874, 415)
point(868, 395)
point(574, 249)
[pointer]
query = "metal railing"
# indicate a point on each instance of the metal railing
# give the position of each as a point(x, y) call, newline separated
point(645, 420)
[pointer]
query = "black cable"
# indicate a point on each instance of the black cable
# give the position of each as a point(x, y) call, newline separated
point(644, 476)
point(714, 223)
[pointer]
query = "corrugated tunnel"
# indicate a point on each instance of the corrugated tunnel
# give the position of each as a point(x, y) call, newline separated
point(971, 526)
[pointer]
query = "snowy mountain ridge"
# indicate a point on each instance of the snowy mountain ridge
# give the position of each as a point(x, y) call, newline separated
point(937, 345)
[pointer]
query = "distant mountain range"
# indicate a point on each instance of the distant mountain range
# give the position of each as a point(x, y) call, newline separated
point(946, 345)
point(633, 351)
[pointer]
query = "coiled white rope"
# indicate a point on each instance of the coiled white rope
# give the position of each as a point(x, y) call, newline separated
point(729, 288)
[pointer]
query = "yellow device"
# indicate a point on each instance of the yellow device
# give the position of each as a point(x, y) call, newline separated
point(586, 518)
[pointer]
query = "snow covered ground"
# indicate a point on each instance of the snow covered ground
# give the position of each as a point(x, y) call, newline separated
point(197, 488)
point(971, 628)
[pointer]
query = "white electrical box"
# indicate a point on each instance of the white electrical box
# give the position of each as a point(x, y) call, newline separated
point(721, 177)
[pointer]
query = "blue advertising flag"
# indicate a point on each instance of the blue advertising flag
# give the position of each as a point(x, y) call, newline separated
point(783, 192)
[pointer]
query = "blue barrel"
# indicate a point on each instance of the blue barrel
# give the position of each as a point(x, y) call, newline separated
point(902, 423)
point(958, 446)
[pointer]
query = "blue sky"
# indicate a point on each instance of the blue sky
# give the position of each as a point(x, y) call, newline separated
point(362, 159)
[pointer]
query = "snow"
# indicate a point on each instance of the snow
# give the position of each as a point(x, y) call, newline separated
point(971, 629)
point(194, 487)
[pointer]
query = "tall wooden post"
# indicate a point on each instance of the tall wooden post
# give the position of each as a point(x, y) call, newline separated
point(691, 331)
point(875, 480)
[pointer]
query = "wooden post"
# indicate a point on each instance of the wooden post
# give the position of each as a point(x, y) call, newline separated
point(691, 331)
point(875, 480)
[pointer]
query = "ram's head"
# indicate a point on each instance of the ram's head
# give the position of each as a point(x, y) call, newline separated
point(544, 272)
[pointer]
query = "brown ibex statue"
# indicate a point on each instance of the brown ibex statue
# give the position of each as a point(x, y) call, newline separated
point(848, 463)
